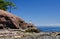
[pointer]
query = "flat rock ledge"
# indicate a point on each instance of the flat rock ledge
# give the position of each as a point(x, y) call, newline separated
point(18, 34)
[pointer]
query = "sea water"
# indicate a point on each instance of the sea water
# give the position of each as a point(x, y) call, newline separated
point(49, 28)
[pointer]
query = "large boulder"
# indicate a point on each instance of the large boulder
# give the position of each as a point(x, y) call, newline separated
point(8, 20)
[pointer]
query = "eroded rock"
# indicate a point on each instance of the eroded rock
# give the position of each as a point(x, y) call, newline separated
point(8, 20)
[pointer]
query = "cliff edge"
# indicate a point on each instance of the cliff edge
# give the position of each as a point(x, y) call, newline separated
point(10, 21)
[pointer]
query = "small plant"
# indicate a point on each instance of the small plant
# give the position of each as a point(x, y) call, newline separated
point(32, 30)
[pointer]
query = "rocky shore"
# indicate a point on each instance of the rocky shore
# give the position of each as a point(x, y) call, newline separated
point(18, 34)
point(13, 27)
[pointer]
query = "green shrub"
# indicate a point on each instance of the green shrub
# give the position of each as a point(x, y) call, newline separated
point(32, 30)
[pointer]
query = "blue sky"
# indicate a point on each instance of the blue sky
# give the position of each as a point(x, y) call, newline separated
point(39, 12)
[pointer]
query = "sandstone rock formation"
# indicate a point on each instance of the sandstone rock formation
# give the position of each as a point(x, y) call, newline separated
point(8, 20)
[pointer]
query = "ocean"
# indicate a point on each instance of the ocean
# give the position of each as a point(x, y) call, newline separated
point(49, 28)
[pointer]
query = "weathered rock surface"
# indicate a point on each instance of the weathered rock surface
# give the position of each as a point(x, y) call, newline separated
point(12, 34)
point(8, 20)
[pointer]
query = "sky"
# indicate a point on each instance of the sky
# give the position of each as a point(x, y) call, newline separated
point(38, 12)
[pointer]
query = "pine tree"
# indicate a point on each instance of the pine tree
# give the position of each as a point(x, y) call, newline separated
point(4, 5)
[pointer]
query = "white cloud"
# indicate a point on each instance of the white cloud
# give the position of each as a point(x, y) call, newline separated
point(58, 24)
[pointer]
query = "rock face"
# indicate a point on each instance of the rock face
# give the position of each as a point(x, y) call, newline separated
point(8, 20)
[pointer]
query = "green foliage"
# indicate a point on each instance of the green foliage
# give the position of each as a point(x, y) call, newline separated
point(32, 30)
point(4, 5)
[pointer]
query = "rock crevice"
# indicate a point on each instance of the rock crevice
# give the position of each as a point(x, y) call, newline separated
point(8, 20)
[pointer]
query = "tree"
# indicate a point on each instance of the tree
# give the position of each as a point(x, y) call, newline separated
point(4, 5)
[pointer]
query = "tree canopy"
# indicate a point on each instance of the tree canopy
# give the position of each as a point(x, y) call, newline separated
point(4, 4)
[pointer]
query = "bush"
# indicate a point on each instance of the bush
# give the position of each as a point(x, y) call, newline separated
point(32, 30)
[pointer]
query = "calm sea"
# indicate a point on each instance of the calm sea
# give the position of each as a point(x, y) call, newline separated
point(49, 28)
